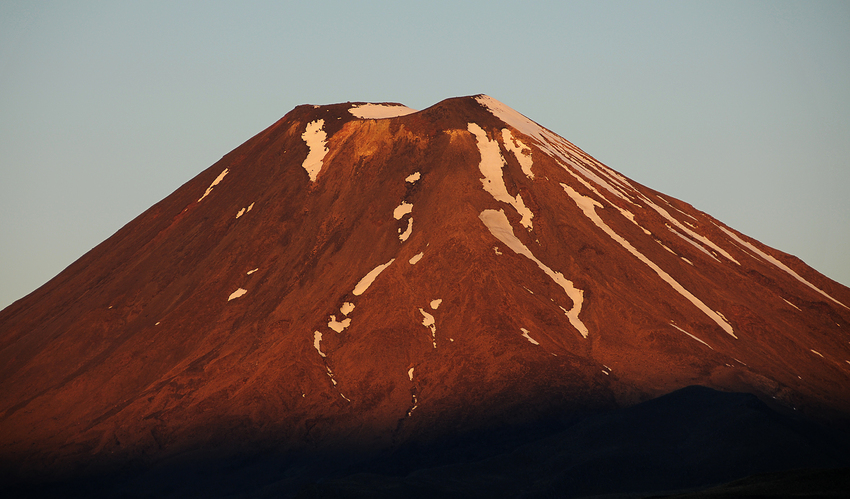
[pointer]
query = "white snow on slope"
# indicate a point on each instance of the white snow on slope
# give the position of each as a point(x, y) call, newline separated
point(251, 271)
point(415, 258)
point(789, 303)
point(415, 405)
point(631, 217)
point(214, 183)
point(404, 235)
point(430, 323)
point(692, 336)
point(560, 149)
point(244, 210)
point(626, 213)
point(568, 154)
point(401, 210)
point(369, 278)
point(520, 150)
point(776, 262)
point(436, 303)
point(529, 338)
point(588, 205)
point(412, 178)
point(661, 211)
point(693, 243)
point(236, 294)
point(499, 225)
point(410, 373)
point(317, 343)
point(491, 166)
point(316, 139)
point(338, 326)
point(346, 308)
point(697, 237)
point(379, 111)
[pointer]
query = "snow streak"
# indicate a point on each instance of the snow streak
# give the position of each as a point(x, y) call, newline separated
point(776, 262)
point(214, 183)
point(491, 166)
point(588, 205)
point(500, 227)
point(369, 278)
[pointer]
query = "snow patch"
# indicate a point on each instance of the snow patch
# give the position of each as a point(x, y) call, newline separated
point(410, 374)
point(415, 258)
point(588, 205)
point(380, 111)
point(497, 251)
point(369, 278)
point(491, 166)
point(430, 323)
point(520, 150)
point(436, 303)
point(214, 183)
point(316, 139)
point(252, 271)
point(404, 235)
point(317, 343)
point(236, 294)
point(403, 209)
point(499, 225)
point(346, 308)
point(777, 263)
point(412, 178)
point(817, 353)
point(789, 303)
point(244, 210)
point(526, 336)
point(337, 325)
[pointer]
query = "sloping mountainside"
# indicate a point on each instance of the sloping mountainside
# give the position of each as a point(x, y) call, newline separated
point(364, 283)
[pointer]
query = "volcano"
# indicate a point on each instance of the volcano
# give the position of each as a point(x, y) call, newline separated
point(363, 291)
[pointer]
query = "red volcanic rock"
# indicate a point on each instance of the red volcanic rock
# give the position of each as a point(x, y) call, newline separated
point(363, 276)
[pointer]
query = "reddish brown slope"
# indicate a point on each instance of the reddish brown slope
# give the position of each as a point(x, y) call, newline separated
point(136, 350)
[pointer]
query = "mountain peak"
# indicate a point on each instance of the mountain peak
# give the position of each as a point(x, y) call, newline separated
point(367, 275)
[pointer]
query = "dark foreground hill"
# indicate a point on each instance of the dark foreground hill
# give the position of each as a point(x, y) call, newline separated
point(688, 440)
point(363, 284)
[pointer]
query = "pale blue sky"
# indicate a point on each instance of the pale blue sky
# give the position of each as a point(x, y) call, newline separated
point(739, 108)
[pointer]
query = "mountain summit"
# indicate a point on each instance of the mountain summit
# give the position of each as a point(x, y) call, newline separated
point(359, 278)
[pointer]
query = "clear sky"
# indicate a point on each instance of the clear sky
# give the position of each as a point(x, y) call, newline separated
point(739, 108)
